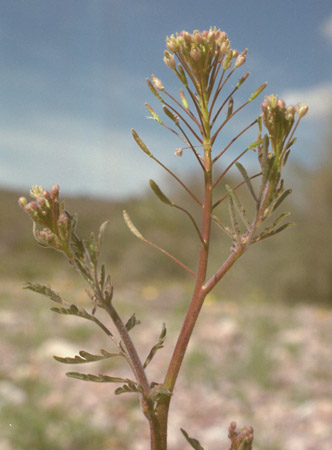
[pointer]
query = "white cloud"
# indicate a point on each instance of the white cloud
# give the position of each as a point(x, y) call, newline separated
point(319, 99)
point(326, 28)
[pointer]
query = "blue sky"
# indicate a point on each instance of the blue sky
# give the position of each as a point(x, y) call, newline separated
point(73, 82)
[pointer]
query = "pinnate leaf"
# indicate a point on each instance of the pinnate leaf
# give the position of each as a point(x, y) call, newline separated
point(44, 290)
point(98, 378)
point(85, 357)
point(132, 322)
point(157, 346)
point(130, 387)
point(193, 442)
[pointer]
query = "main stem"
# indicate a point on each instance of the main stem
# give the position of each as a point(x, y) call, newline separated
point(199, 293)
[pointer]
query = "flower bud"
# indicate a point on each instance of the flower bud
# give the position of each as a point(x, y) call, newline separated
point(302, 110)
point(55, 191)
point(281, 104)
point(240, 60)
point(169, 60)
point(178, 152)
point(32, 206)
point(224, 47)
point(171, 44)
point(157, 83)
point(46, 195)
point(196, 54)
point(186, 36)
point(41, 201)
point(22, 201)
point(212, 35)
point(198, 39)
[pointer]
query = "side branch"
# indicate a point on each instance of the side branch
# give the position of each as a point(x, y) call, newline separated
point(229, 167)
point(214, 137)
point(233, 257)
point(233, 140)
point(165, 252)
point(177, 179)
point(192, 220)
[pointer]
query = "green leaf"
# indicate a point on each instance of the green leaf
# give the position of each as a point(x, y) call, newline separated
point(131, 226)
point(108, 290)
point(226, 229)
point(280, 199)
point(285, 158)
point(246, 178)
point(127, 388)
point(73, 310)
point(44, 290)
point(132, 322)
point(268, 232)
point(238, 204)
point(98, 378)
point(193, 442)
point(162, 197)
point(140, 143)
point(157, 346)
point(85, 357)
point(102, 277)
point(236, 230)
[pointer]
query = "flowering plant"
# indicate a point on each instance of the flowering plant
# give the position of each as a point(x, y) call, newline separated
point(203, 62)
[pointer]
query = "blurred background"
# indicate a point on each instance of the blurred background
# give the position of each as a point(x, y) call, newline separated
point(72, 86)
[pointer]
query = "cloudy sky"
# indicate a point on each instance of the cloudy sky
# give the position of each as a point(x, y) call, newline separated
point(72, 82)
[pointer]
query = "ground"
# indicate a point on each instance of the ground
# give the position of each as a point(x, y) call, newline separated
point(260, 364)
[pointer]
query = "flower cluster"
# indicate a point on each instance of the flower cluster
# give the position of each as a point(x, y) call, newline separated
point(279, 119)
point(241, 439)
point(47, 212)
point(200, 54)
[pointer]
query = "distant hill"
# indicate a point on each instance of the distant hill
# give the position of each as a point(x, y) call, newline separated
point(296, 265)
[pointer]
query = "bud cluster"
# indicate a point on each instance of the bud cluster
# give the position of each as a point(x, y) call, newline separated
point(279, 119)
point(241, 439)
point(47, 211)
point(200, 53)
